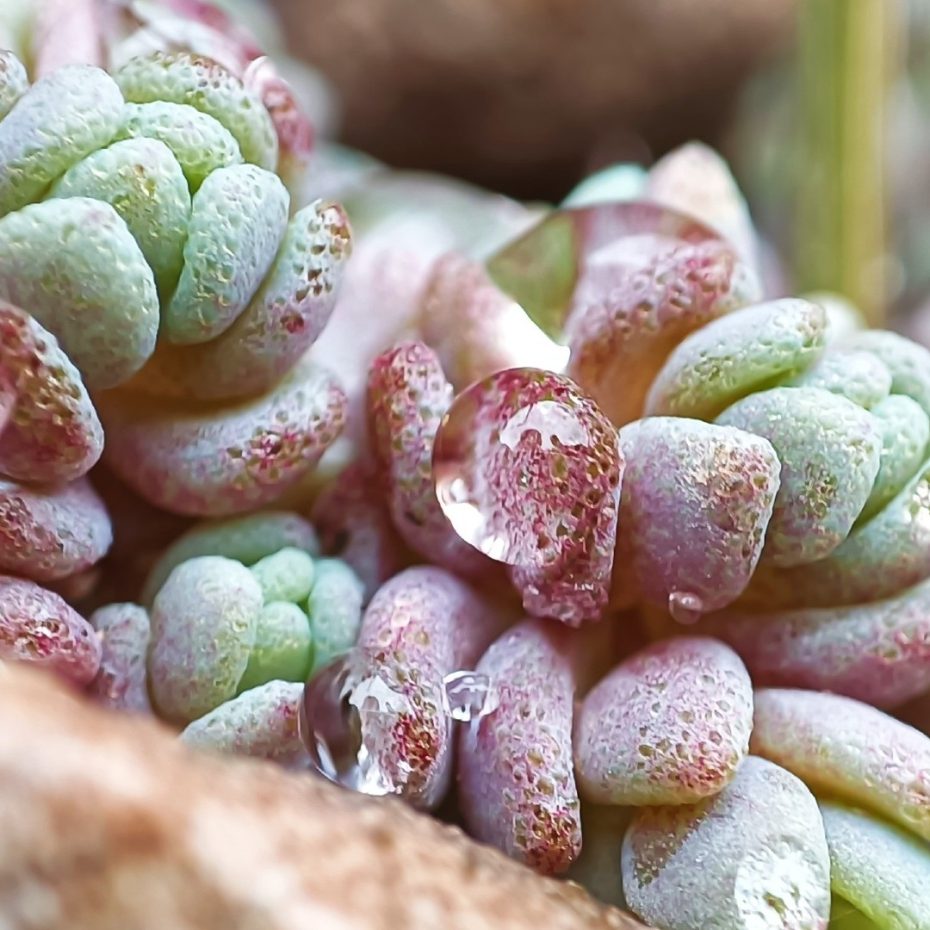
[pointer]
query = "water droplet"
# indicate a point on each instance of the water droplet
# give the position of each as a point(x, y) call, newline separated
point(336, 711)
point(507, 433)
point(468, 696)
point(685, 607)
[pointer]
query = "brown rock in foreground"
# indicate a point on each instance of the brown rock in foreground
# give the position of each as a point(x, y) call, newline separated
point(106, 823)
point(522, 95)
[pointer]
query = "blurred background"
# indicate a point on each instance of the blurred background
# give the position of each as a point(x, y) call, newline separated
point(526, 96)
point(822, 108)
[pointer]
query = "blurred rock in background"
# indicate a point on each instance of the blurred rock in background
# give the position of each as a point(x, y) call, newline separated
point(525, 96)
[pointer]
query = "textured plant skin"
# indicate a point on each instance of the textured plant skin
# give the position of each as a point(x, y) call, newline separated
point(286, 575)
point(905, 430)
point(186, 78)
point(830, 452)
point(516, 787)
point(37, 627)
point(247, 539)
point(878, 867)
point(61, 119)
point(334, 608)
point(845, 411)
point(282, 321)
point(53, 433)
point(120, 683)
point(735, 355)
point(625, 322)
point(142, 180)
point(697, 500)
point(200, 143)
point(203, 629)
point(13, 81)
point(877, 652)
point(237, 222)
point(880, 558)
point(420, 626)
point(754, 855)
point(283, 646)
point(408, 395)
point(908, 362)
point(168, 170)
point(74, 266)
point(211, 461)
point(208, 31)
point(49, 533)
point(669, 725)
point(261, 722)
point(849, 750)
point(777, 482)
point(855, 374)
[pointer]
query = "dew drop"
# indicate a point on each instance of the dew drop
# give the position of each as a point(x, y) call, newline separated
point(468, 696)
point(685, 607)
point(335, 712)
point(496, 454)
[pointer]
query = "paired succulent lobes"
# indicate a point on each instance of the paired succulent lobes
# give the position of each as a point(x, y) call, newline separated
point(143, 210)
point(242, 602)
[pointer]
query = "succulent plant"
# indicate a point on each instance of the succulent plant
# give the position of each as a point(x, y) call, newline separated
point(616, 528)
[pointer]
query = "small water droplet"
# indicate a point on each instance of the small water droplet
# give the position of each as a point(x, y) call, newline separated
point(685, 607)
point(468, 696)
point(334, 714)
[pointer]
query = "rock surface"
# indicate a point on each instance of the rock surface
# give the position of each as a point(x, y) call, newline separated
point(108, 823)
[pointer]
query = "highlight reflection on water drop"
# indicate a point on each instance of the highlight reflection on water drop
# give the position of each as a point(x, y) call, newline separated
point(685, 607)
point(7, 398)
point(468, 696)
point(334, 713)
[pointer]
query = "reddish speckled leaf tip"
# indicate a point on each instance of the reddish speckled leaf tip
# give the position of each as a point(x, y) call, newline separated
point(528, 471)
point(50, 532)
point(878, 652)
point(52, 433)
point(408, 395)
point(38, 627)
point(516, 782)
point(670, 725)
point(210, 460)
point(697, 499)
